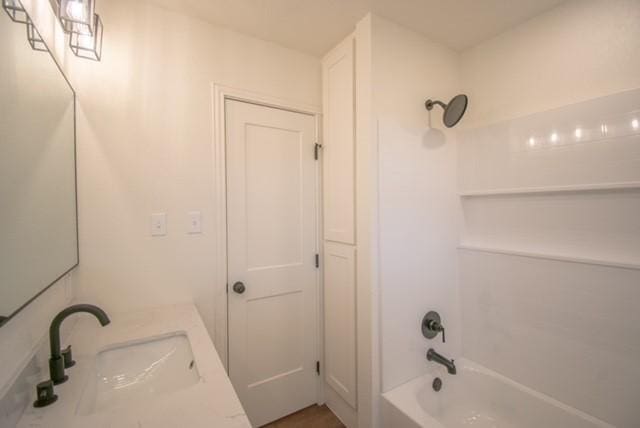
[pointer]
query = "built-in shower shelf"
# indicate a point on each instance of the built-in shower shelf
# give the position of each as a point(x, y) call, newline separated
point(550, 256)
point(552, 189)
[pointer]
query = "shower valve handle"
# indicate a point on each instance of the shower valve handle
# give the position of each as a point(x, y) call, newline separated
point(431, 326)
point(436, 326)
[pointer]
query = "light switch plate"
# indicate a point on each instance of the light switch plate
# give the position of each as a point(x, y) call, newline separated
point(158, 224)
point(195, 222)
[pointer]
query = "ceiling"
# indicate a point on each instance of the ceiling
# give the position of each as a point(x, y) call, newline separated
point(314, 26)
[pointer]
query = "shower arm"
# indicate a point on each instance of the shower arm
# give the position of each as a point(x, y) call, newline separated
point(430, 103)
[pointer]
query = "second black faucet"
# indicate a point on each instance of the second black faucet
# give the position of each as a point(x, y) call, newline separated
point(63, 359)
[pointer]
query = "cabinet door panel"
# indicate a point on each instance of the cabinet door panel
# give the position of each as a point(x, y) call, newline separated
point(339, 145)
point(340, 319)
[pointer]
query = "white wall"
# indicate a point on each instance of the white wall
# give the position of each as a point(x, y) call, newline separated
point(145, 146)
point(418, 206)
point(580, 50)
point(563, 328)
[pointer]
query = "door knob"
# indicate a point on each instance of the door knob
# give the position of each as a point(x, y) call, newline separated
point(239, 287)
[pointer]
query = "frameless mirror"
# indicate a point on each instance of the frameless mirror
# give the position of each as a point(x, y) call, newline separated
point(38, 216)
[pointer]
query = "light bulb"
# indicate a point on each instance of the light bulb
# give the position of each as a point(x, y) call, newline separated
point(76, 11)
point(85, 41)
point(635, 124)
point(532, 142)
point(578, 133)
point(554, 138)
point(604, 129)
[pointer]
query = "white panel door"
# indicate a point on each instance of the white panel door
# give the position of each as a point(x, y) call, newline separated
point(271, 215)
point(339, 144)
point(340, 319)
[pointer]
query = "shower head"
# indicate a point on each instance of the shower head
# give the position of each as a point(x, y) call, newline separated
point(453, 111)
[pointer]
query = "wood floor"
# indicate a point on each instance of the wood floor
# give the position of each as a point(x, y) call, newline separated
point(311, 417)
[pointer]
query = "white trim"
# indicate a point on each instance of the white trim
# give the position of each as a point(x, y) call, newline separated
point(553, 189)
point(548, 256)
point(320, 270)
point(220, 93)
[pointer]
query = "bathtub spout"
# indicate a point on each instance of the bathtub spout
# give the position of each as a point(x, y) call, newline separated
point(432, 355)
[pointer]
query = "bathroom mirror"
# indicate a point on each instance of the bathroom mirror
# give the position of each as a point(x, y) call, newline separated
point(38, 215)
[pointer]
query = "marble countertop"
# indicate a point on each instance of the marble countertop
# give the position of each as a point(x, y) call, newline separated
point(212, 402)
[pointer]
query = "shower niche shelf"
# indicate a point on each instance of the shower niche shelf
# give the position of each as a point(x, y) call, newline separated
point(550, 256)
point(630, 185)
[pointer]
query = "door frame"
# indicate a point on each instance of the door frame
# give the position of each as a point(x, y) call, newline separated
point(220, 94)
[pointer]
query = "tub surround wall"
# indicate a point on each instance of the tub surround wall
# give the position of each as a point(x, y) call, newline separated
point(549, 279)
point(566, 329)
point(418, 206)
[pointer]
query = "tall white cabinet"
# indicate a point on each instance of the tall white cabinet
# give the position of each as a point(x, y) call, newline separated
point(339, 221)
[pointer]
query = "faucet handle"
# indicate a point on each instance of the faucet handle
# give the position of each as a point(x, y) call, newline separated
point(44, 394)
point(68, 358)
point(436, 326)
point(431, 326)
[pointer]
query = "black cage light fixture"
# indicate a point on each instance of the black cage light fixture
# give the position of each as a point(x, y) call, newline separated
point(34, 38)
point(15, 10)
point(77, 16)
point(88, 46)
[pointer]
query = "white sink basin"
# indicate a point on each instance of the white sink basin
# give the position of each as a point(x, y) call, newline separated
point(127, 373)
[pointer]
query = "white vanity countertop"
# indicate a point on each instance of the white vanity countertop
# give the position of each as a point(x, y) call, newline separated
point(212, 402)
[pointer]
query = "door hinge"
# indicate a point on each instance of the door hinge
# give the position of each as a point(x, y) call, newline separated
point(316, 151)
point(318, 367)
point(317, 261)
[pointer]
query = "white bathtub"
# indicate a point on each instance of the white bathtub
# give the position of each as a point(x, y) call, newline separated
point(476, 397)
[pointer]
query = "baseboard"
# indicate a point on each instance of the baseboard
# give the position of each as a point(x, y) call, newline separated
point(347, 414)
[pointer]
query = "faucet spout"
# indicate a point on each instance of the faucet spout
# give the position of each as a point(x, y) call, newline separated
point(432, 355)
point(56, 363)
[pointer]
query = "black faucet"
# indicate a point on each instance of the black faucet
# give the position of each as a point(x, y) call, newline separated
point(432, 355)
point(62, 359)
